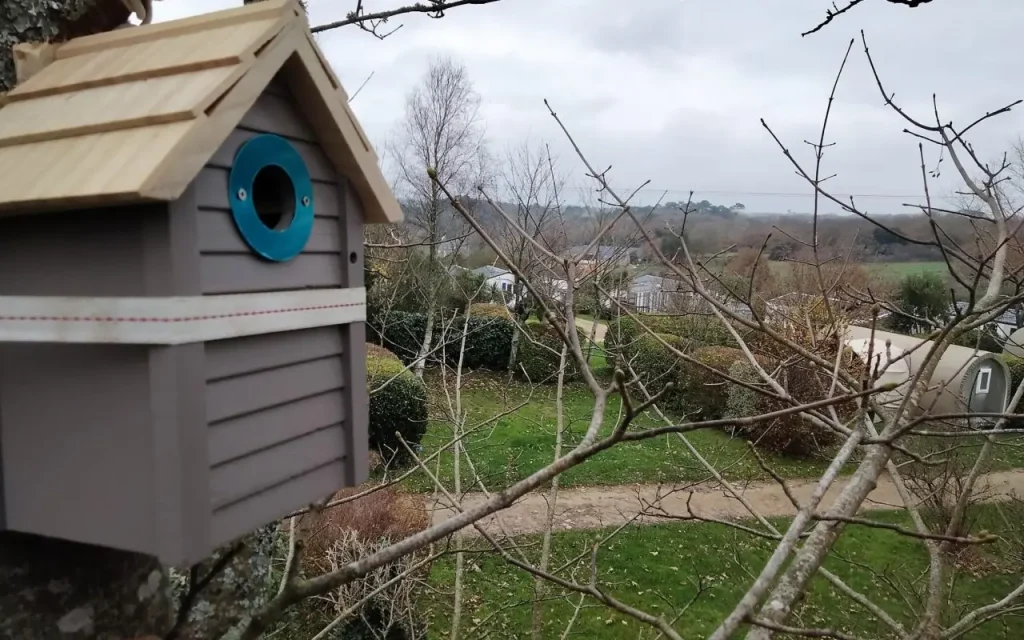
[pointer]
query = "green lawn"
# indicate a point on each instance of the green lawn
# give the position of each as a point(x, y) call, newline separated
point(657, 569)
point(899, 270)
point(521, 442)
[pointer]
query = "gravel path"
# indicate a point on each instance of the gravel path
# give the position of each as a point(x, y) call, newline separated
point(604, 506)
point(585, 326)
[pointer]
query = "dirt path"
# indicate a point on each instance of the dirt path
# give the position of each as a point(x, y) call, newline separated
point(587, 325)
point(597, 507)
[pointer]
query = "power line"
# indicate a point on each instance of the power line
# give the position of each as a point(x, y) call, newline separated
point(779, 194)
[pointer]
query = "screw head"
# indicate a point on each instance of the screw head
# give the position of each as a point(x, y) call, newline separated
point(305, 201)
point(242, 195)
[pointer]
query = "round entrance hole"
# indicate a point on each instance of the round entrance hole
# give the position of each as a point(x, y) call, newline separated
point(273, 197)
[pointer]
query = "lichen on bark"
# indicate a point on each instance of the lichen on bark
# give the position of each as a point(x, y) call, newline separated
point(60, 589)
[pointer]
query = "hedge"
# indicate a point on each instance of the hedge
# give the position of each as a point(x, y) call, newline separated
point(704, 390)
point(790, 434)
point(396, 406)
point(1016, 367)
point(538, 355)
point(401, 332)
point(655, 365)
point(488, 343)
point(696, 331)
point(488, 339)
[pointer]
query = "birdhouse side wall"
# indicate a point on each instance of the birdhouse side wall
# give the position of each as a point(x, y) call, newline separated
point(278, 405)
point(78, 446)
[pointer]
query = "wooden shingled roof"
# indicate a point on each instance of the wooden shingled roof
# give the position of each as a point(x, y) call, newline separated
point(134, 114)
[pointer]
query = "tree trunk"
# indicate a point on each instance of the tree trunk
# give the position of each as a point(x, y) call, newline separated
point(428, 340)
point(70, 591)
point(60, 589)
point(514, 351)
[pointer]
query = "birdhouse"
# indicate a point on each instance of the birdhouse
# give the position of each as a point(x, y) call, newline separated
point(182, 308)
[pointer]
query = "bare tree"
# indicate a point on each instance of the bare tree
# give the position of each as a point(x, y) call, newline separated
point(532, 186)
point(441, 129)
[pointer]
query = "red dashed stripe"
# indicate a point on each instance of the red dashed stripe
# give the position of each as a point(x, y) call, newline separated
point(239, 314)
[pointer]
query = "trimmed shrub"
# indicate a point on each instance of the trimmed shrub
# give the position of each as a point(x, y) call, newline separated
point(539, 352)
point(377, 351)
point(401, 332)
point(398, 403)
point(696, 331)
point(1016, 367)
point(655, 365)
point(791, 434)
point(488, 341)
point(983, 339)
point(705, 391)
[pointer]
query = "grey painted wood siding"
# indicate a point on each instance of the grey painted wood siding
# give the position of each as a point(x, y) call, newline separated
point(64, 477)
point(275, 404)
point(227, 265)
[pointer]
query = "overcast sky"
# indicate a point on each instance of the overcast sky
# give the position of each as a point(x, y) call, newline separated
point(673, 90)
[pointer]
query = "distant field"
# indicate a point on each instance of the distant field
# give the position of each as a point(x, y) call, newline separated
point(887, 270)
point(897, 270)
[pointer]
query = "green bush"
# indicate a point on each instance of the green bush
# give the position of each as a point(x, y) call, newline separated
point(703, 390)
point(398, 403)
point(1016, 367)
point(488, 343)
point(655, 365)
point(786, 435)
point(538, 355)
point(982, 338)
point(696, 331)
point(488, 339)
point(400, 332)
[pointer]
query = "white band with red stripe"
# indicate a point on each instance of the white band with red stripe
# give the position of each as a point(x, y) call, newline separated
point(174, 319)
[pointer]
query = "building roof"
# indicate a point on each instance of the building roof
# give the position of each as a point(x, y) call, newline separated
point(490, 271)
point(601, 252)
point(133, 114)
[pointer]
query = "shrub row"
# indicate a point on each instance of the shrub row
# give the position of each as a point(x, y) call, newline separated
point(790, 434)
point(398, 403)
point(695, 389)
point(705, 394)
point(488, 338)
point(695, 331)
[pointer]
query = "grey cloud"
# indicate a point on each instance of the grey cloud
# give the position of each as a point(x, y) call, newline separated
point(672, 90)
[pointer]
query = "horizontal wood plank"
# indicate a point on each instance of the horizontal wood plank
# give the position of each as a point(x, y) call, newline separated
point(189, 52)
point(212, 193)
point(227, 358)
point(236, 273)
point(247, 434)
point(319, 166)
point(218, 234)
point(247, 394)
point(275, 503)
point(111, 108)
point(275, 114)
point(248, 476)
